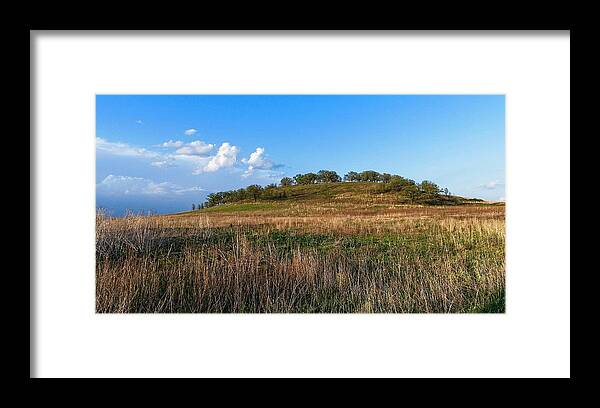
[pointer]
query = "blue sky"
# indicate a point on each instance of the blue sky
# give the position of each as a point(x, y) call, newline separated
point(164, 152)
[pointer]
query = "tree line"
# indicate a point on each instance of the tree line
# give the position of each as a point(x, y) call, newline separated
point(390, 182)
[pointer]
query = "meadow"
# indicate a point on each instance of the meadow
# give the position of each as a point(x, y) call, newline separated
point(336, 249)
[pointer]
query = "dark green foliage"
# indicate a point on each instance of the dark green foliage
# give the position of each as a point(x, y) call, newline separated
point(411, 191)
point(397, 183)
point(254, 191)
point(328, 176)
point(308, 178)
point(351, 176)
point(369, 176)
point(429, 188)
point(286, 182)
point(427, 192)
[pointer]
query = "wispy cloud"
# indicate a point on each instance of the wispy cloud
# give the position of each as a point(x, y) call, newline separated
point(139, 122)
point(127, 185)
point(172, 143)
point(122, 149)
point(195, 148)
point(491, 185)
point(188, 190)
point(163, 163)
point(190, 132)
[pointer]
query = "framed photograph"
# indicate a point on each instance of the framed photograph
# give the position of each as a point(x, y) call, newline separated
point(239, 204)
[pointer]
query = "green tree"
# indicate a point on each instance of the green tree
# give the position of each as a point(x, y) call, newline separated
point(429, 188)
point(270, 191)
point(396, 183)
point(214, 199)
point(411, 191)
point(328, 176)
point(239, 194)
point(370, 176)
point(254, 191)
point(351, 176)
point(308, 178)
point(286, 182)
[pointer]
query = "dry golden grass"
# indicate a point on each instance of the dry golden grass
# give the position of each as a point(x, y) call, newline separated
point(329, 257)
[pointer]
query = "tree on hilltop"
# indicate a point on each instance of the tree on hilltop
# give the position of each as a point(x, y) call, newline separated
point(308, 178)
point(328, 176)
point(286, 182)
point(254, 191)
point(429, 188)
point(412, 191)
point(351, 176)
point(397, 183)
point(369, 176)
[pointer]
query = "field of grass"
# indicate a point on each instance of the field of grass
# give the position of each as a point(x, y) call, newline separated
point(322, 252)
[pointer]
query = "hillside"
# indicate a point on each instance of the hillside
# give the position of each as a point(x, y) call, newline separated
point(343, 200)
point(330, 197)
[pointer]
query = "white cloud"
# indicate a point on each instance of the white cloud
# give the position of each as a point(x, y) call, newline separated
point(267, 175)
point(122, 149)
point(195, 148)
point(172, 143)
point(249, 171)
point(195, 160)
point(163, 163)
point(126, 185)
point(491, 185)
point(188, 190)
point(196, 154)
point(190, 132)
point(257, 161)
point(139, 122)
point(225, 157)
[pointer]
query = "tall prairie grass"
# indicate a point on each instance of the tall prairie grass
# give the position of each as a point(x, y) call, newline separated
point(404, 261)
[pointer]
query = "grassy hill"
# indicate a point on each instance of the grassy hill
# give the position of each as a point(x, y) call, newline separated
point(326, 197)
